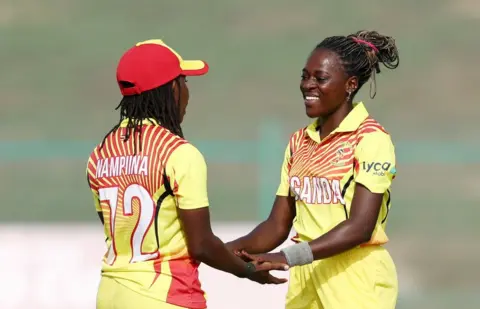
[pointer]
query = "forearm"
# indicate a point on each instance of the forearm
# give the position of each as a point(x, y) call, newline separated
point(267, 236)
point(343, 237)
point(214, 253)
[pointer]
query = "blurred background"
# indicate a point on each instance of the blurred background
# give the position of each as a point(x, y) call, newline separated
point(57, 81)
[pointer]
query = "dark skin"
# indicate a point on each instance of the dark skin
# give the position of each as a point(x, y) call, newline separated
point(326, 89)
point(202, 243)
point(272, 232)
point(182, 95)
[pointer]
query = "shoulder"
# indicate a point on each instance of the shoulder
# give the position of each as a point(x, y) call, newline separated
point(372, 130)
point(94, 155)
point(184, 161)
point(163, 143)
point(370, 125)
point(185, 154)
point(161, 136)
point(91, 168)
point(296, 138)
point(298, 134)
point(187, 149)
point(374, 141)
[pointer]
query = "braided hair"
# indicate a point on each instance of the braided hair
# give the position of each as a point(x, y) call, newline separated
point(158, 104)
point(361, 54)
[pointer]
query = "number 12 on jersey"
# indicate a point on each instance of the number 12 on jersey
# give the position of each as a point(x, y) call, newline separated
point(145, 220)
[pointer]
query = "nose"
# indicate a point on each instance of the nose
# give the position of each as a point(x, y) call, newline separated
point(307, 84)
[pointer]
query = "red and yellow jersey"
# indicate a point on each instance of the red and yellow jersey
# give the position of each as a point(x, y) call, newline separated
point(138, 193)
point(322, 174)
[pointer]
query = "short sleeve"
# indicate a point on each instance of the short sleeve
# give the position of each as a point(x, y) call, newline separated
point(284, 187)
point(96, 201)
point(90, 171)
point(376, 167)
point(187, 171)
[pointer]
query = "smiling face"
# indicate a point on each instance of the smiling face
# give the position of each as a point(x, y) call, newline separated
point(325, 85)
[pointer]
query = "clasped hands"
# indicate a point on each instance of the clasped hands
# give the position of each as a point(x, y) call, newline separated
point(264, 263)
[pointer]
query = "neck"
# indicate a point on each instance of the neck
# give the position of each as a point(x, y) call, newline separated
point(328, 124)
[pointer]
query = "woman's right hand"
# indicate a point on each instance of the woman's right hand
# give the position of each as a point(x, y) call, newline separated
point(262, 275)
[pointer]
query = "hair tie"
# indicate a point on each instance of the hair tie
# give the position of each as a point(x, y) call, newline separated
point(360, 41)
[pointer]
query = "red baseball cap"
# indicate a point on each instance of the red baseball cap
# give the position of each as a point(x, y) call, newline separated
point(152, 63)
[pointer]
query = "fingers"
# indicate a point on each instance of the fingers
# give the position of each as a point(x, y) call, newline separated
point(266, 278)
point(243, 257)
point(267, 266)
point(275, 280)
point(261, 264)
point(279, 266)
point(251, 257)
point(240, 254)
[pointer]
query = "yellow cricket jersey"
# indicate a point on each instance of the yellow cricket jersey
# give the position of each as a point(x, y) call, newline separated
point(138, 194)
point(322, 174)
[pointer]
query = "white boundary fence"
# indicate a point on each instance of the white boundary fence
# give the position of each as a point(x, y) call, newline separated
point(58, 266)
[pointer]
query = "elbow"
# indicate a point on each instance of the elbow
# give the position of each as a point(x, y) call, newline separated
point(196, 252)
point(365, 236)
point(284, 237)
point(281, 235)
point(201, 249)
point(280, 229)
point(362, 233)
point(197, 249)
point(360, 238)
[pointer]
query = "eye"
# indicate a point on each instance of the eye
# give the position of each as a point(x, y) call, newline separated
point(186, 80)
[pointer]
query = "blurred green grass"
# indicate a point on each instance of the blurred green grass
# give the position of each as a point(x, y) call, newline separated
point(59, 79)
point(59, 83)
point(65, 64)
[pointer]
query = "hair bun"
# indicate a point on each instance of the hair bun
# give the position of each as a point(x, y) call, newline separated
point(386, 49)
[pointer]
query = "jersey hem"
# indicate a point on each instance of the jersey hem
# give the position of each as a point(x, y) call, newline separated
point(189, 305)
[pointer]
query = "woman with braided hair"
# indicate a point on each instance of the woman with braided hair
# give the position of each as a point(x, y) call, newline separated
point(335, 186)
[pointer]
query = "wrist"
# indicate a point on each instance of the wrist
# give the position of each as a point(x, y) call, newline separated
point(298, 254)
point(249, 269)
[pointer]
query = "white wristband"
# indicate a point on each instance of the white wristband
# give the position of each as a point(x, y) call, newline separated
point(298, 254)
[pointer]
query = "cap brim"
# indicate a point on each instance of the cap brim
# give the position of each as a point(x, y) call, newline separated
point(194, 67)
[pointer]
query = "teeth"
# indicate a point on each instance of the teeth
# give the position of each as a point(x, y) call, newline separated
point(311, 98)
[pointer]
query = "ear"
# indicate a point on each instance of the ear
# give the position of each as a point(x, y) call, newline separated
point(352, 84)
point(176, 90)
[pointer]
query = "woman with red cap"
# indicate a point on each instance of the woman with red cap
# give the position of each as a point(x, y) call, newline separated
point(150, 190)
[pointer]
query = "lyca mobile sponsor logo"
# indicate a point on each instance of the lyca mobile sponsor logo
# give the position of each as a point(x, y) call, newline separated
point(378, 168)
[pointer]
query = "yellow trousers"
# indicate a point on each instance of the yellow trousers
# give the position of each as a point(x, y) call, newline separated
point(361, 278)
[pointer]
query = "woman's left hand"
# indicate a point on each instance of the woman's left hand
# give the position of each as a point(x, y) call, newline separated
point(276, 257)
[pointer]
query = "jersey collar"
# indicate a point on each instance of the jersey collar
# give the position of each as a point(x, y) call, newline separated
point(147, 121)
point(351, 123)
